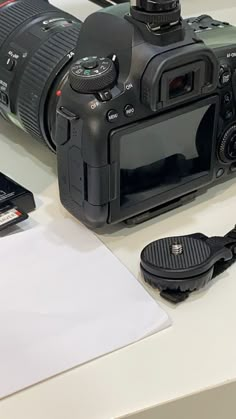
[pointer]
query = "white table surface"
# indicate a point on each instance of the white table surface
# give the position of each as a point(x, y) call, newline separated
point(196, 354)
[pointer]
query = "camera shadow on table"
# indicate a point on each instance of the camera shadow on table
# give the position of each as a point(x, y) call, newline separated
point(25, 159)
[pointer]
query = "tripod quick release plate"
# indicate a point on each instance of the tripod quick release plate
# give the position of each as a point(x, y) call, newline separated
point(179, 265)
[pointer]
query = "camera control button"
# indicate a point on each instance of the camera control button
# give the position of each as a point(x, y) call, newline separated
point(90, 64)
point(228, 115)
point(65, 119)
point(92, 74)
point(10, 63)
point(227, 98)
point(225, 76)
point(129, 111)
point(227, 146)
point(105, 96)
point(219, 173)
point(112, 115)
point(4, 98)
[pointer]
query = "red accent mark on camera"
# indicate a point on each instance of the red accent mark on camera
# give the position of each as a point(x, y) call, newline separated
point(17, 212)
point(5, 3)
point(58, 93)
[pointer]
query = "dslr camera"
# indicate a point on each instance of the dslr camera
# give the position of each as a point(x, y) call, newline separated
point(138, 103)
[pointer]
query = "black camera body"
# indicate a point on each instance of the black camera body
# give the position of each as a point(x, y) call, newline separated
point(147, 118)
point(138, 103)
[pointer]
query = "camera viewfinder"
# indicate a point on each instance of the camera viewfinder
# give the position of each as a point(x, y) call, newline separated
point(181, 85)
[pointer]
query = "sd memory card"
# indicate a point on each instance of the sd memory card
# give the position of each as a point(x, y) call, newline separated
point(10, 215)
point(15, 202)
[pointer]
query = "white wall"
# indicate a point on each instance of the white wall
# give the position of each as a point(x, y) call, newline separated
point(199, 6)
point(81, 8)
point(78, 8)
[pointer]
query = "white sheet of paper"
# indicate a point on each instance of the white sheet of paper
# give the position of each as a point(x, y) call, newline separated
point(65, 299)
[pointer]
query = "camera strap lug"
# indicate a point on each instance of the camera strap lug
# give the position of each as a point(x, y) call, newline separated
point(178, 266)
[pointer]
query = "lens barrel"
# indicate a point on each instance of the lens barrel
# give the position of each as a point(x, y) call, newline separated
point(40, 40)
point(37, 80)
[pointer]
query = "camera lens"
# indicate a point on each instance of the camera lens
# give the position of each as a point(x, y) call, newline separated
point(180, 85)
point(37, 43)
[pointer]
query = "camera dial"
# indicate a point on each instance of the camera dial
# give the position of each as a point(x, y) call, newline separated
point(227, 147)
point(156, 12)
point(92, 74)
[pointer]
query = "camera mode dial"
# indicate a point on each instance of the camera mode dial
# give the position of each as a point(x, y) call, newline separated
point(92, 74)
point(227, 147)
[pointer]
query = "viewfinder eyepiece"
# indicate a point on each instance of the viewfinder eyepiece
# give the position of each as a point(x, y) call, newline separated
point(181, 85)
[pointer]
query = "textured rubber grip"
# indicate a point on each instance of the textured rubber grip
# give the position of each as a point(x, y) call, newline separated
point(15, 14)
point(39, 71)
point(182, 286)
point(158, 19)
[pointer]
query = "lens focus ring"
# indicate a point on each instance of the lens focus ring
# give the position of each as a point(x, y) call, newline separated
point(38, 77)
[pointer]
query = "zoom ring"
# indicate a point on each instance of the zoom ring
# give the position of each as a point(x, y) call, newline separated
point(15, 14)
point(39, 75)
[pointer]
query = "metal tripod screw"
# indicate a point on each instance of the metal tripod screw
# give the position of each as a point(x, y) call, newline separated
point(176, 249)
